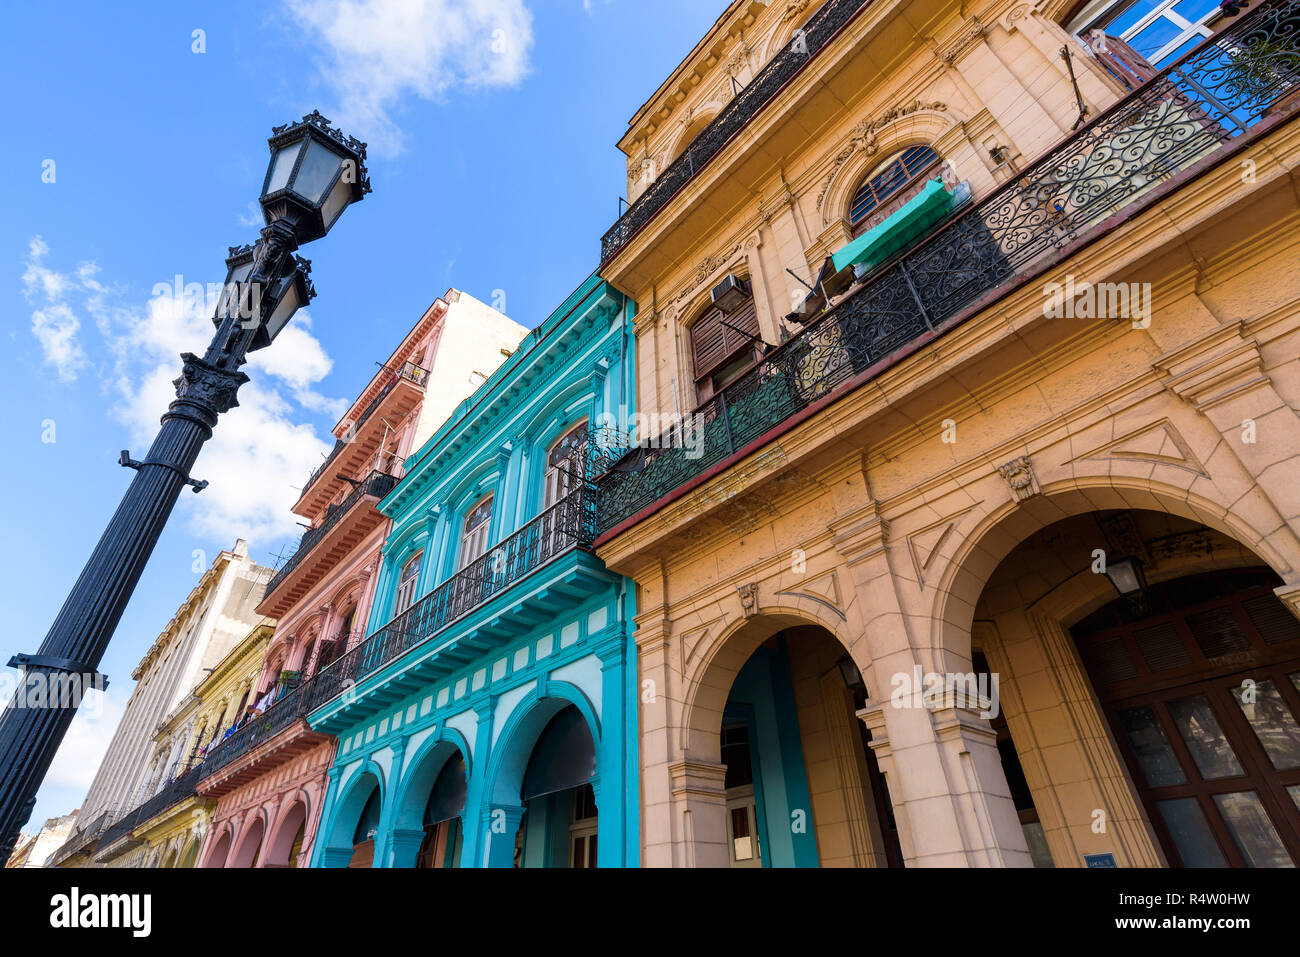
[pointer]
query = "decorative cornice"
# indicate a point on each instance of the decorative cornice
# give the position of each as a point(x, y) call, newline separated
point(955, 48)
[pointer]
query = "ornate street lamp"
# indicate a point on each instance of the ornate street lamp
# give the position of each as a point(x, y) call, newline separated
point(315, 173)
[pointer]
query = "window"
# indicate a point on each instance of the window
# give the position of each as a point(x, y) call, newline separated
point(889, 186)
point(475, 539)
point(1158, 30)
point(407, 584)
point(583, 827)
point(723, 346)
point(564, 465)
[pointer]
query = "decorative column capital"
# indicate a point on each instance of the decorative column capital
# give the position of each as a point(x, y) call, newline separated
point(861, 535)
point(206, 386)
point(1290, 596)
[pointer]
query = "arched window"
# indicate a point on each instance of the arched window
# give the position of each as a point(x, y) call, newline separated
point(725, 343)
point(890, 185)
point(564, 465)
point(407, 582)
point(474, 541)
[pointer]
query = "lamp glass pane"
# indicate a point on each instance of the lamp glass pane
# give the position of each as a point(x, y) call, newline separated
point(1123, 574)
point(319, 167)
point(282, 166)
point(284, 311)
point(234, 289)
point(335, 203)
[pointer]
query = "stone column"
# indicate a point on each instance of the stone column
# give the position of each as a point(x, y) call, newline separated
point(499, 824)
point(612, 797)
point(404, 846)
point(656, 745)
point(1070, 762)
point(699, 802)
point(322, 854)
point(475, 815)
point(950, 797)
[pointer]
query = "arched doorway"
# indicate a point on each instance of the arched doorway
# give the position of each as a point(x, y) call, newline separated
point(1152, 651)
point(559, 827)
point(249, 848)
point(1201, 685)
point(220, 850)
point(367, 830)
point(441, 822)
point(801, 785)
point(283, 851)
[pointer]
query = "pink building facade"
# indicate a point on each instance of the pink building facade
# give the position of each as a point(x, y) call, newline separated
point(269, 777)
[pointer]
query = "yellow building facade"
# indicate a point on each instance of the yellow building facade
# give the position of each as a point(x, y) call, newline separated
point(1078, 523)
point(174, 837)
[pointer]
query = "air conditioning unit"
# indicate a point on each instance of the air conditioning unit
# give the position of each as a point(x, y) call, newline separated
point(730, 294)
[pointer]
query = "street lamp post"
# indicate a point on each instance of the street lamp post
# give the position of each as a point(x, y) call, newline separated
point(314, 174)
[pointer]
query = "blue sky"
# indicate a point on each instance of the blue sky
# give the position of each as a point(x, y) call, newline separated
point(494, 167)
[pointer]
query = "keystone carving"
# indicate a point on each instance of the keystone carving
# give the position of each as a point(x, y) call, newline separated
point(1020, 478)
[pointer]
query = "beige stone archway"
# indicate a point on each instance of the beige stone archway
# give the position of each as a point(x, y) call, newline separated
point(993, 599)
point(842, 808)
point(967, 562)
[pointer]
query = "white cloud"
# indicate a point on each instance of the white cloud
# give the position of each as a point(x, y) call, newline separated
point(54, 323)
point(252, 217)
point(378, 51)
point(83, 747)
point(258, 451)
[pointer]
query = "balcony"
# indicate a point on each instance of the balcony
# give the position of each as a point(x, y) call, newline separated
point(172, 793)
point(396, 398)
point(321, 547)
point(819, 31)
point(81, 839)
point(1185, 115)
point(566, 526)
point(264, 740)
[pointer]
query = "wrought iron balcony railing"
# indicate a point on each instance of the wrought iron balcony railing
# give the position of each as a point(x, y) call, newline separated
point(409, 372)
point(568, 524)
point(378, 484)
point(1186, 112)
point(170, 794)
point(80, 837)
point(820, 29)
point(257, 731)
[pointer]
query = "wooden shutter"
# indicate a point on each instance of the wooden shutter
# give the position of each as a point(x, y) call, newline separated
point(715, 337)
point(708, 342)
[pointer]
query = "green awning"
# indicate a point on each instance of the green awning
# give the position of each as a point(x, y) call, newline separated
point(899, 230)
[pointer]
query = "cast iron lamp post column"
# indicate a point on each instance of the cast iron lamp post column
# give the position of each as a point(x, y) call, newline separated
point(315, 173)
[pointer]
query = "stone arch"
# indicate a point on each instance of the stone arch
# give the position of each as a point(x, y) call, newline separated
point(294, 814)
point(217, 849)
point(867, 148)
point(975, 555)
point(514, 746)
point(708, 683)
point(351, 801)
point(1048, 702)
point(422, 770)
point(248, 846)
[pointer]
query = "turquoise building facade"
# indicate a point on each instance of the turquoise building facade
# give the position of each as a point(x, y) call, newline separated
point(489, 718)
